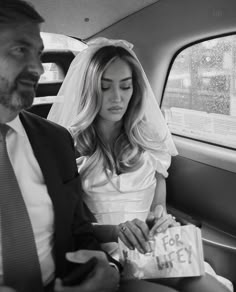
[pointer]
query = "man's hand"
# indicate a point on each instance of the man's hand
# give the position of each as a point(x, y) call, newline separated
point(103, 278)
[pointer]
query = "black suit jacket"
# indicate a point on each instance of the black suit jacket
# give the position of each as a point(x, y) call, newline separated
point(53, 148)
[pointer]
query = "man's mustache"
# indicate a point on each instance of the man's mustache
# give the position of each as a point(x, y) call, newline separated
point(28, 76)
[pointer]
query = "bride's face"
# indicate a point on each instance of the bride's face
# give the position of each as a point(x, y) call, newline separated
point(117, 90)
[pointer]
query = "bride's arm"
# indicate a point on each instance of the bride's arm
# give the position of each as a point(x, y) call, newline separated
point(160, 193)
point(158, 219)
point(105, 233)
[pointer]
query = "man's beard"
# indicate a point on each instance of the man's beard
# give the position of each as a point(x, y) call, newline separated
point(17, 101)
point(14, 98)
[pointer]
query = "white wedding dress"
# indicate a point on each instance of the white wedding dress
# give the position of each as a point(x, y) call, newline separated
point(127, 196)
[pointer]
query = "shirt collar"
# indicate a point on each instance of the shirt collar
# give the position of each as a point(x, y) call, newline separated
point(17, 126)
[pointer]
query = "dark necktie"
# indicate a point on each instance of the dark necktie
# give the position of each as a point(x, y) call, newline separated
point(21, 269)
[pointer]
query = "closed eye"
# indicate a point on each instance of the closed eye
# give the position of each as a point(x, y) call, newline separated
point(126, 87)
point(104, 88)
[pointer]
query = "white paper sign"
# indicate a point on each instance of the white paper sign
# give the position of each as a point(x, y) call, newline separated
point(178, 252)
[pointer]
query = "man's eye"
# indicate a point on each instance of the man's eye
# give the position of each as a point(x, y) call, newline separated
point(19, 50)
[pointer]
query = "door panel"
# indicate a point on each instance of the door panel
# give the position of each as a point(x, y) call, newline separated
point(203, 192)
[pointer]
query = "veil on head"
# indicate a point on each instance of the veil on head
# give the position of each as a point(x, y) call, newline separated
point(64, 111)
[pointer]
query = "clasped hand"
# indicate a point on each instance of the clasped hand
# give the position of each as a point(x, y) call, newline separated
point(137, 233)
point(103, 278)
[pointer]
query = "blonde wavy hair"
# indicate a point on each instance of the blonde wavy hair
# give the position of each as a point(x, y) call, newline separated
point(135, 137)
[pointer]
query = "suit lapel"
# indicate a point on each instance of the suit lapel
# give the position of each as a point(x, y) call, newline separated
point(58, 192)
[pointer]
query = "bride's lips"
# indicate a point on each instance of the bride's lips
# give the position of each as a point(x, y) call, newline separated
point(115, 109)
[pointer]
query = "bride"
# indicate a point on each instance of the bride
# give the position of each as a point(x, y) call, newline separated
point(123, 143)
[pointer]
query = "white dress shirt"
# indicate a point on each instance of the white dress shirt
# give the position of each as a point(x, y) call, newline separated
point(35, 194)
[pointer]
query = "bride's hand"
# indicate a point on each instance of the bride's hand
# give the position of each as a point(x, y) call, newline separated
point(161, 220)
point(135, 234)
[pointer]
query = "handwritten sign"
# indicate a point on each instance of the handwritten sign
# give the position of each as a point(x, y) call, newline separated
point(177, 252)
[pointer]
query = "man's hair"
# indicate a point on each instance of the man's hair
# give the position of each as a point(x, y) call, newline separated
point(14, 11)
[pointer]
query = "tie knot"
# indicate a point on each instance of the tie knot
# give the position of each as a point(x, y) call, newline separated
point(3, 130)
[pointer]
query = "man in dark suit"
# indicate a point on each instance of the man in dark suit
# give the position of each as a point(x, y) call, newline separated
point(40, 204)
point(43, 161)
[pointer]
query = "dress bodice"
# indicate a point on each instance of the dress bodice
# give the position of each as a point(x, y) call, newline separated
point(126, 196)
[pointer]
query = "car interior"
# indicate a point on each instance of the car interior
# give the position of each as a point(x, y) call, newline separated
point(188, 51)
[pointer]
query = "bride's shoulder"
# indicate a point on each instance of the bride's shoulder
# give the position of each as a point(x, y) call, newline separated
point(158, 160)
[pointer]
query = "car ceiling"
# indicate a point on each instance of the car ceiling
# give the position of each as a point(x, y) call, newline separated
point(84, 18)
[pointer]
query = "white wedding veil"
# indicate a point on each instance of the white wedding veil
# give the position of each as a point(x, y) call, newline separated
point(64, 110)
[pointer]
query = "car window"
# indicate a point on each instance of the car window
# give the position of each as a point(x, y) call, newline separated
point(57, 42)
point(53, 41)
point(53, 72)
point(200, 96)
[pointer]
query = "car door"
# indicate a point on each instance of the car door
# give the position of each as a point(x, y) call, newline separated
point(198, 104)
